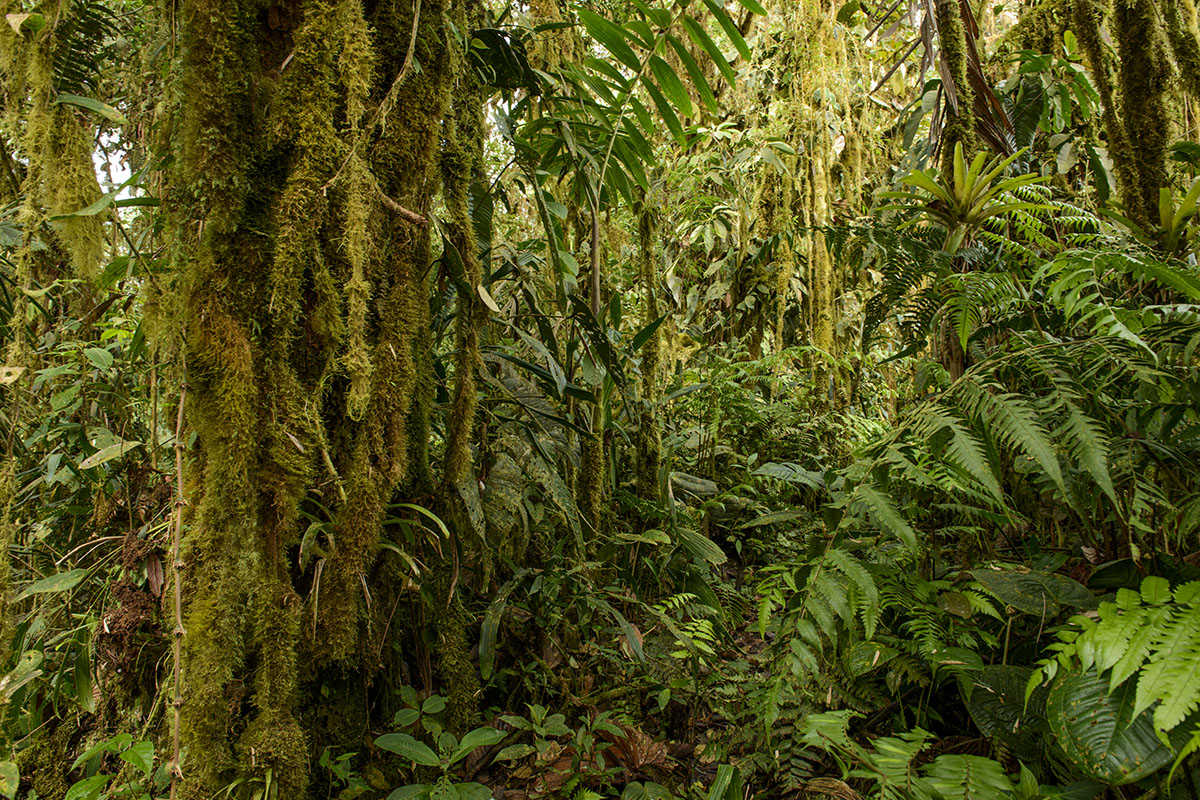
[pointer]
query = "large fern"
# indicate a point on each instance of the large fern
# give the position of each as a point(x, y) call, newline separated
point(1154, 635)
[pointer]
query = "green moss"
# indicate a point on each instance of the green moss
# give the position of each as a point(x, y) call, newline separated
point(952, 41)
point(1088, 17)
point(44, 763)
point(1040, 28)
point(1143, 78)
point(462, 162)
point(648, 445)
point(70, 185)
point(1179, 17)
point(274, 745)
point(304, 301)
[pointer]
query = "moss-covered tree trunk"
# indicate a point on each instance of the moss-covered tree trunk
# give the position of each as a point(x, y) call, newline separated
point(959, 127)
point(1143, 76)
point(306, 141)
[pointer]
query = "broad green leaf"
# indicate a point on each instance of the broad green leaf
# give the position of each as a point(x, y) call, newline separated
point(472, 791)
point(515, 752)
point(1099, 732)
point(407, 747)
point(25, 22)
point(141, 755)
point(107, 454)
point(480, 737)
point(88, 788)
point(10, 779)
point(410, 792)
point(99, 356)
point(59, 582)
point(103, 109)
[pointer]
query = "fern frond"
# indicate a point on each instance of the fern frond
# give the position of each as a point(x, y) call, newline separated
point(1087, 446)
point(884, 515)
point(1170, 676)
point(1017, 425)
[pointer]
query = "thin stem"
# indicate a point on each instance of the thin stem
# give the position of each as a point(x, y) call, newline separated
point(180, 502)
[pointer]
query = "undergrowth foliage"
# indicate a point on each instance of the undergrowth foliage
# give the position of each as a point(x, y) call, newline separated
point(602, 400)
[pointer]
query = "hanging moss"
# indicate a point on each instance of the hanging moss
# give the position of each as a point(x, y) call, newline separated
point(387, 445)
point(70, 185)
point(648, 446)
point(589, 484)
point(1143, 78)
point(1088, 19)
point(952, 41)
point(1180, 23)
point(57, 141)
point(1040, 28)
point(820, 265)
point(462, 163)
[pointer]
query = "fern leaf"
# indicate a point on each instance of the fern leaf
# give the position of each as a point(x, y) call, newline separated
point(1089, 447)
point(967, 452)
point(885, 515)
point(1170, 677)
point(863, 584)
point(1139, 648)
point(1114, 634)
point(1018, 427)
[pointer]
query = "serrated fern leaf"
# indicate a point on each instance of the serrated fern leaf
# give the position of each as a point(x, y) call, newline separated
point(1017, 425)
point(1089, 447)
point(966, 451)
point(1170, 676)
point(885, 516)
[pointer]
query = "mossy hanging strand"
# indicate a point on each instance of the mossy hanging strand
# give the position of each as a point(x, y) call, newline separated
point(1143, 77)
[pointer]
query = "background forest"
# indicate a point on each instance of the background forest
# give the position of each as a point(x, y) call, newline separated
point(631, 399)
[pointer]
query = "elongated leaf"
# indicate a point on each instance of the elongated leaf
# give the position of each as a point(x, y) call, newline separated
point(643, 336)
point(671, 86)
point(104, 455)
point(704, 42)
point(753, 6)
point(59, 582)
point(490, 629)
point(694, 73)
point(607, 34)
point(406, 746)
point(103, 109)
point(730, 28)
point(665, 111)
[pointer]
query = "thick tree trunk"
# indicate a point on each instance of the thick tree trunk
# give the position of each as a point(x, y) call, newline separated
point(307, 148)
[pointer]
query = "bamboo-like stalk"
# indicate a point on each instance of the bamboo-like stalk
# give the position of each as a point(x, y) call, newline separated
point(177, 565)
